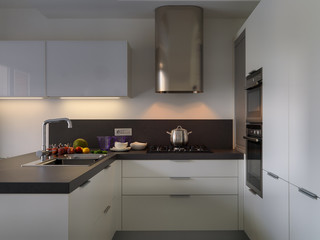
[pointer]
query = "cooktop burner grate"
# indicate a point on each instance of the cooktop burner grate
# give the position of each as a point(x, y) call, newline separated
point(183, 149)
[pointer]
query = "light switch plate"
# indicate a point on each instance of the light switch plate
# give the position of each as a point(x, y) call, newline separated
point(123, 131)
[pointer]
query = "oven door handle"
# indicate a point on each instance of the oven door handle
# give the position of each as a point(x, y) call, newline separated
point(252, 139)
point(256, 85)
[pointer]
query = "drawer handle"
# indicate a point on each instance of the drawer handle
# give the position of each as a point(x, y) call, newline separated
point(309, 194)
point(180, 178)
point(180, 195)
point(85, 183)
point(273, 175)
point(181, 160)
point(107, 209)
point(252, 191)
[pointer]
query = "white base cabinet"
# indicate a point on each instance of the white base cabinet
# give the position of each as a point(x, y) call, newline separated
point(93, 207)
point(92, 211)
point(180, 195)
point(180, 212)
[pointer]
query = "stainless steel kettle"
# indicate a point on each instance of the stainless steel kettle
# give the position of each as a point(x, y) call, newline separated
point(179, 136)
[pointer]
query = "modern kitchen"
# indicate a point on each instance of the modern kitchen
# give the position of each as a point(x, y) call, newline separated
point(228, 151)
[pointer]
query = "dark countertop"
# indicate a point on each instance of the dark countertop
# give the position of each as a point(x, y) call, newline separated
point(17, 179)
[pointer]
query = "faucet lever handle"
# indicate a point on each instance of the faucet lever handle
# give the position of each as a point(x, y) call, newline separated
point(41, 153)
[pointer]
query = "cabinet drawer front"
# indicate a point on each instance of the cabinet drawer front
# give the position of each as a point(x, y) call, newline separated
point(180, 213)
point(167, 186)
point(92, 197)
point(180, 168)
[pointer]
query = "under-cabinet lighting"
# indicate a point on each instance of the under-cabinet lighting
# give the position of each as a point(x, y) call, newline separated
point(21, 98)
point(90, 98)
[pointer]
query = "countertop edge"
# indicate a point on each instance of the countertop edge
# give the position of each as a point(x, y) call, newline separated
point(58, 187)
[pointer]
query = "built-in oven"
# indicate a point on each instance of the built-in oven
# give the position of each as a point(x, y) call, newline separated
point(254, 96)
point(254, 132)
point(254, 158)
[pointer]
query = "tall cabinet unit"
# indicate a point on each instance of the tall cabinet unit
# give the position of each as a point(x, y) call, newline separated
point(88, 69)
point(290, 58)
point(22, 69)
point(304, 118)
point(239, 83)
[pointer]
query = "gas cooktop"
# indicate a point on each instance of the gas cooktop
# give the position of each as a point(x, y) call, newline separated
point(182, 149)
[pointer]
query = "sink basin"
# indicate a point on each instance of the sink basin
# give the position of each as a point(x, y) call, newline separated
point(69, 160)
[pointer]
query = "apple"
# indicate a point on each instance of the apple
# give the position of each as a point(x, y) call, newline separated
point(78, 149)
point(61, 150)
point(70, 150)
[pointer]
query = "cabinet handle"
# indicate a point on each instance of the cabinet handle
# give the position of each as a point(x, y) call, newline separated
point(309, 194)
point(85, 183)
point(181, 160)
point(180, 195)
point(180, 178)
point(107, 209)
point(273, 175)
point(252, 191)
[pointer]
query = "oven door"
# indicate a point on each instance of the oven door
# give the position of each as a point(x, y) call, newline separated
point(254, 164)
point(254, 104)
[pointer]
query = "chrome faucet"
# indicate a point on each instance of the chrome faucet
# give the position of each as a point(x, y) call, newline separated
point(43, 153)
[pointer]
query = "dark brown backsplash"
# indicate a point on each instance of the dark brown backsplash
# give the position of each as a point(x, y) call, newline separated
point(216, 134)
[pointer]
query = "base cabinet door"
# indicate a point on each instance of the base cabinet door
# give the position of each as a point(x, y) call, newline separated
point(304, 216)
point(267, 218)
point(90, 208)
point(275, 208)
point(180, 212)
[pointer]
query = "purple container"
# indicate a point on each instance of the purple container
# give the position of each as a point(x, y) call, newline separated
point(107, 142)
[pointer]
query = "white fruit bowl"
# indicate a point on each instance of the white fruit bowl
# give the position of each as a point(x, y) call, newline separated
point(138, 145)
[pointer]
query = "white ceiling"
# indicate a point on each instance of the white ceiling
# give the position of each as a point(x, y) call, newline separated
point(129, 8)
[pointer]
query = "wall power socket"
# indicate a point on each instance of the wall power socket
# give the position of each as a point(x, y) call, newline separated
point(123, 131)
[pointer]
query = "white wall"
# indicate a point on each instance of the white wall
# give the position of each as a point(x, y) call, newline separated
point(20, 120)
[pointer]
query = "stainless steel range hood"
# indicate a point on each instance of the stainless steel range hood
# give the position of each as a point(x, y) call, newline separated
point(179, 37)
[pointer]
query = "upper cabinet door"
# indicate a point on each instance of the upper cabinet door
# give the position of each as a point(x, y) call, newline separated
point(87, 68)
point(22, 69)
point(304, 85)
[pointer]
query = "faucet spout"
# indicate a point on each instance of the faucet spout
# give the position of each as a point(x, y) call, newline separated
point(43, 153)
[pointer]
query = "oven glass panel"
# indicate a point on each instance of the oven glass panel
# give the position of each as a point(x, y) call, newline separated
point(254, 111)
point(254, 166)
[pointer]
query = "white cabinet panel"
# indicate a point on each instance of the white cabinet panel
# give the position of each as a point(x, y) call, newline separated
point(167, 186)
point(92, 212)
point(275, 209)
point(34, 216)
point(87, 68)
point(304, 216)
point(22, 69)
point(180, 213)
point(304, 118)
point(180, 168)
point(253, 222)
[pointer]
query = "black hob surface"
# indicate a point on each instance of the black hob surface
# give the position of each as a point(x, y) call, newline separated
point(182, 149)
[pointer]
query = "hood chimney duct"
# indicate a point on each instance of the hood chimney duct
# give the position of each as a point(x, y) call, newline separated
point(179, 44)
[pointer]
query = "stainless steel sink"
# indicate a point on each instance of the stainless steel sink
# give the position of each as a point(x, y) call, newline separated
point(68, 160)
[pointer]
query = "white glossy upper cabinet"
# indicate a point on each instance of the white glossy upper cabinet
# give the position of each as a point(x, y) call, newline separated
point(87, 69)
point(22, 69)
